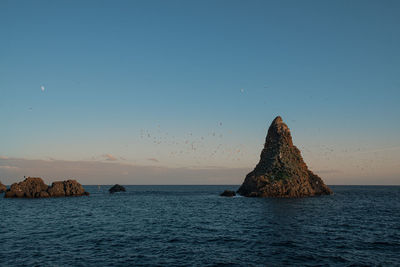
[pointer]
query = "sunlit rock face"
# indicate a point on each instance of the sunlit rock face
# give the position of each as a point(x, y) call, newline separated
point(3, 188)
point(34, 187)
point(281, 171)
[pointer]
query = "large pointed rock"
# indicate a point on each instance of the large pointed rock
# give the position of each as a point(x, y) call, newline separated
point(281, 171)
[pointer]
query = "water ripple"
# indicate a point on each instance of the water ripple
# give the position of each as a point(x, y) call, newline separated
point(193, 226)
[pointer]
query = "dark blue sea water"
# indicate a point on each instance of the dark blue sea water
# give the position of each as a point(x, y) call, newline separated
point(193, 226)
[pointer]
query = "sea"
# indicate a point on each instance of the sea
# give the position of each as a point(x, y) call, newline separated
point(193, 226)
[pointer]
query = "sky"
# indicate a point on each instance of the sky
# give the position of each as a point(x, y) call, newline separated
point(183, 92)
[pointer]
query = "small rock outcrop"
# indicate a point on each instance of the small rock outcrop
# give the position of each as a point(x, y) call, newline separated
point(66, 189)
point(228, 193)
point(3, 188)
point(29, 188)
point(34, 187)
point(116, 188)
point(281, 171)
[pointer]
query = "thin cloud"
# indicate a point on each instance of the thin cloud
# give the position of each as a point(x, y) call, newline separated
point(109, 157)
point(6, 167)
point(153, 160)
point(101, 172)
point(3, 157)
point(328, 171)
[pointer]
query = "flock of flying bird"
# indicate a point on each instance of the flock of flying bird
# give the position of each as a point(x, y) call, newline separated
point(191, 143)
point(212, 146)
point(196, 145)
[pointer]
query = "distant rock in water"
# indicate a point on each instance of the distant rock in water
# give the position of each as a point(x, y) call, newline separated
point(66, 189)
point(281, 171)
point(29, 188)
point(116, 188)
point(35, 188)
point(228, 193)
point(3, 188)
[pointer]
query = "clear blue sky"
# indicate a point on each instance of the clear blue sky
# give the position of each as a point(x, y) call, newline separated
point(195, 84)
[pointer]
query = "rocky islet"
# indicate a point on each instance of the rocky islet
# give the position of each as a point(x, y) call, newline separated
point(281, 171)
point(116, 188)
point(34, 187)
point(228, 193)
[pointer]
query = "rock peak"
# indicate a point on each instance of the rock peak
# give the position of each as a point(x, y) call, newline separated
point(278, 125)
point(281, 171)
point(277, 120)
point(278, 136)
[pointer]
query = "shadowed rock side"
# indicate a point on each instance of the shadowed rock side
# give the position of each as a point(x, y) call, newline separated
point(228, 193)
point(3, 188)
point(36, 188)
point(116, 188)
point(281, 171)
